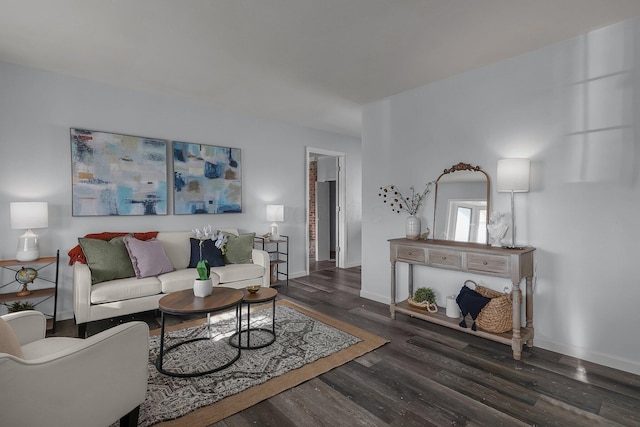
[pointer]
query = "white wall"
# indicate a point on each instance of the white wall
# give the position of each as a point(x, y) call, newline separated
point(37, 108)
point(572, 108)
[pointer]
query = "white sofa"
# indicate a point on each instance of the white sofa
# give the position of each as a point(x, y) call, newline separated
point(69, 381)
point(120, 297)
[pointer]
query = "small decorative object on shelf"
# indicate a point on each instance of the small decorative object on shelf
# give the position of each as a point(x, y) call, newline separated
point(20, 306)
point(424, 298)
point(24, 276)
point(496, 228)
point(398, 203)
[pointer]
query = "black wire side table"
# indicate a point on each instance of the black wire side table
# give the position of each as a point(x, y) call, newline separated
point(185, 303)
point(264, 295)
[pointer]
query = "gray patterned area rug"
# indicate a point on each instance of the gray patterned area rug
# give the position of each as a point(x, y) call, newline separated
point(307, 344)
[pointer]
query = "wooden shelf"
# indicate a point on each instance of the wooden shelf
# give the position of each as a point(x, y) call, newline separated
point(441, 319)
point(35, 293)
point(15, 262)
point(273, 247)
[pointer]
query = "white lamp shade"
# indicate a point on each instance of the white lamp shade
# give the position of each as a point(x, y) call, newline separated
point(513, 175)
point(27, 215)
point(275, 213)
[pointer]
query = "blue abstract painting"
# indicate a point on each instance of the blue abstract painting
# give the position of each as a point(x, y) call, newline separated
point(207, 179)
point(116, 174)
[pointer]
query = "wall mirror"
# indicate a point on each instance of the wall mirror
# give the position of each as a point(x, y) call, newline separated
point(461, 204)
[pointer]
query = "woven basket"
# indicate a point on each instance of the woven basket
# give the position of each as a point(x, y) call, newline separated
point(431, 308)
point(497, 315)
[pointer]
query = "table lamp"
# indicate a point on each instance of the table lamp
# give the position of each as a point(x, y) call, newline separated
point(513, 177)
point(275, 213)
point(28, 215)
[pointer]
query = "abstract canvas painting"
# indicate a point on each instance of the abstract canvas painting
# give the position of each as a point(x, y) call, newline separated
point(118, 174)
point(207, 179)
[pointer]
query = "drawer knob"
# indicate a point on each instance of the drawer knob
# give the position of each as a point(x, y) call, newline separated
point(410, 253)
point(444, 257)
point(485, 263)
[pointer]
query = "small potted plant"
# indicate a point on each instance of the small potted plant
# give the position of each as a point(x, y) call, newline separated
point(203, 285)
point(424, 298)
point(20, 306)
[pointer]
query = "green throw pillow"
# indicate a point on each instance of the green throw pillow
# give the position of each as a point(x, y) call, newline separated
point(239, 248)
point(107, 260)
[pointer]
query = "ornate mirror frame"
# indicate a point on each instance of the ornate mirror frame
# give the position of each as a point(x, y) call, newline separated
point(456, 168)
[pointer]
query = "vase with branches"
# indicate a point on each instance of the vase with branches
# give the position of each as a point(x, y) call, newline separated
point(411, 204)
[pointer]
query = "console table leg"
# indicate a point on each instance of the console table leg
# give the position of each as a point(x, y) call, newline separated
point(392, 306)
point(529, 309)
point(516, 340)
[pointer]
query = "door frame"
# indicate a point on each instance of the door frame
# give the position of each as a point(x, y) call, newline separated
point(341, 187)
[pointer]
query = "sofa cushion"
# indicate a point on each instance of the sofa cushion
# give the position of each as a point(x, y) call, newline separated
point(147, 257)
point(180, 280)
point(176, 246)
point(237, 272)
point(107, 260)
point(124, 289)
point(209, 253)
point(9, 343)
point(239, 248)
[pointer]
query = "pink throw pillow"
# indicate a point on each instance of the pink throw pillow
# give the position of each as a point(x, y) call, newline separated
point(147, 257)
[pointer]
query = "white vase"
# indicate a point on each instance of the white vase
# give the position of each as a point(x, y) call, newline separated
point(202, 288)
point(412, 227)
point(453, 310)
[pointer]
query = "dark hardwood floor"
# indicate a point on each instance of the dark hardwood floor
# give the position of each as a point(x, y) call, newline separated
point(433, 376)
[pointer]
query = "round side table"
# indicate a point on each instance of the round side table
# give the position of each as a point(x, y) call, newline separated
point(184, 303)
point(264, 295)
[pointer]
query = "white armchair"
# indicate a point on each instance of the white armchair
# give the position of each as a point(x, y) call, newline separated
point(73, 382)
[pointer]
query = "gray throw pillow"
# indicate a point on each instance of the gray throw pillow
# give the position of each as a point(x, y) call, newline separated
point(239, 248)
point(106, 260)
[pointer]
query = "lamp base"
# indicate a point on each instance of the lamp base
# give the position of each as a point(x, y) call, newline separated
point(274, 233)
point(28, 249)
point(31, 255)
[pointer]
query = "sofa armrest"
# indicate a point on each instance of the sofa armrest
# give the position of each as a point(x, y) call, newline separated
point(94, 381)
point(81, 292)
point(28, 325)
point(261, 258)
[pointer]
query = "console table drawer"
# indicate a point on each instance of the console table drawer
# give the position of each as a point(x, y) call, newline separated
point(488, 264)
point(445, 258)
point(410, 253)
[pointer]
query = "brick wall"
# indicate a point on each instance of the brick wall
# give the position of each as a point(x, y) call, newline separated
point(313, 177)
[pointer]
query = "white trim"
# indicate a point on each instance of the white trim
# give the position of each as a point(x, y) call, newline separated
point(342, 203)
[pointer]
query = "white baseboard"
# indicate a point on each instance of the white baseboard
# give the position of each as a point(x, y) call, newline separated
point(375, 297)
point(590, 356)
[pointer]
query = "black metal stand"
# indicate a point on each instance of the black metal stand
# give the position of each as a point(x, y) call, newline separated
point(249, 329)
point(163, 351)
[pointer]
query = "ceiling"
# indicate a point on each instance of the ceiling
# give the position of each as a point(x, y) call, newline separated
point(307, 62)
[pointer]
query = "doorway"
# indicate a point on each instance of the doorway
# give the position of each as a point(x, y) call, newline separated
point(326, 245)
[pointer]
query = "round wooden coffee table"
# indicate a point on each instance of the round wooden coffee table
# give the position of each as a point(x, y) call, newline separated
point(185, 303)
point(262, 296)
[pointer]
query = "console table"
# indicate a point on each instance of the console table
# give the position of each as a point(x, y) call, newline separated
point(513, 264)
